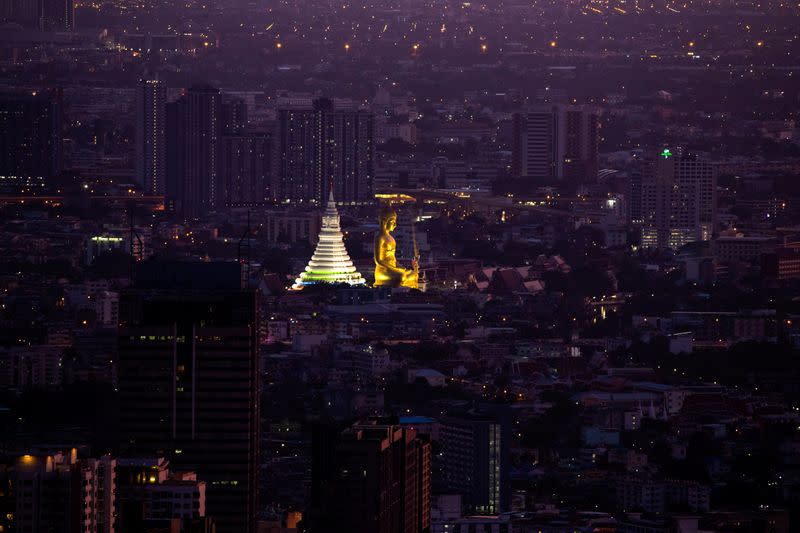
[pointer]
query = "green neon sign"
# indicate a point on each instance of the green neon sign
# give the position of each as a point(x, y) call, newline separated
point(666, 153)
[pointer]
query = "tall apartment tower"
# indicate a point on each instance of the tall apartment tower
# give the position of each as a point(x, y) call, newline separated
point(556, 143)
point(376, 480)
point(678, 200)
point(151, 123)
point(22, 12)
point(30, 140)
point(188, 380)
point(474, 461)
point(246, 169)
point(198, 121)
point(56, 15)
point(322, 144)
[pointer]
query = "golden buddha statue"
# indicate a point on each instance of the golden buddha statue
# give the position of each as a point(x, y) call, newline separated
point(387, 272)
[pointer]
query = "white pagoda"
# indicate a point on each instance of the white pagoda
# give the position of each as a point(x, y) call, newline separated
point(330, 263)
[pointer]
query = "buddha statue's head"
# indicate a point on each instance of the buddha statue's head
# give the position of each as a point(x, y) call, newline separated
point(388, 219)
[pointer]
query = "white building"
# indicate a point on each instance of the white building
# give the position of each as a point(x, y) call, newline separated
point(678, 200)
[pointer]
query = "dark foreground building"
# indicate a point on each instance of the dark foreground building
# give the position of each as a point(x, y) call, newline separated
point(188, 380)
point(372, 478)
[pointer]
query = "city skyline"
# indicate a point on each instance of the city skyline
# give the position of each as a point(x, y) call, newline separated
point(399, 267)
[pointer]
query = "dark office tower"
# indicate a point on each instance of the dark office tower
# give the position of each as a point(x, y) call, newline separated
point(246, 169)
point(234, 117)
point(56, 15)
point(188, 380)
point(199, 132)
point(379, 482)
point(30, 140)
point(474, 461)
point(556, 143)
point(151, 118)
point(321, 144)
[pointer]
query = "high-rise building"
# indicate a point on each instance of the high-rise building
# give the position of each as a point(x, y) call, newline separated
point(556, 143)
point(172, 156)
point(376, 479)
point(56, 15)
point(22, 12)
point(198, 122)
point(47, 15)
point(62, 492)
point(188, 380)
point(246, 167)
point(151, 119)
point(678, 200)
point(30, 141)
point(320, 145)
point(474, 461)
point(330, 263)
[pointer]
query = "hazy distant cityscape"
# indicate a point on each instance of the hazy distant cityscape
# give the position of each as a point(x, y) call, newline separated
point(415, 266)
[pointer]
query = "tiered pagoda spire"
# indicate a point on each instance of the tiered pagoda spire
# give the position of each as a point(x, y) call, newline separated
point(330, 263)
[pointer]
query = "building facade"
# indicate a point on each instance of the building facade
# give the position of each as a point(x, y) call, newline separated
point(151, 102)
point(57, 15)
point(320, 145)
point(245, 172)
point(61, 492)
point(474, 462)
point(379, 482)
point(30, 140)
point(198, 125)
point(292, 226)
point(556, 143)
point(679, 200)
point(149, 493)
